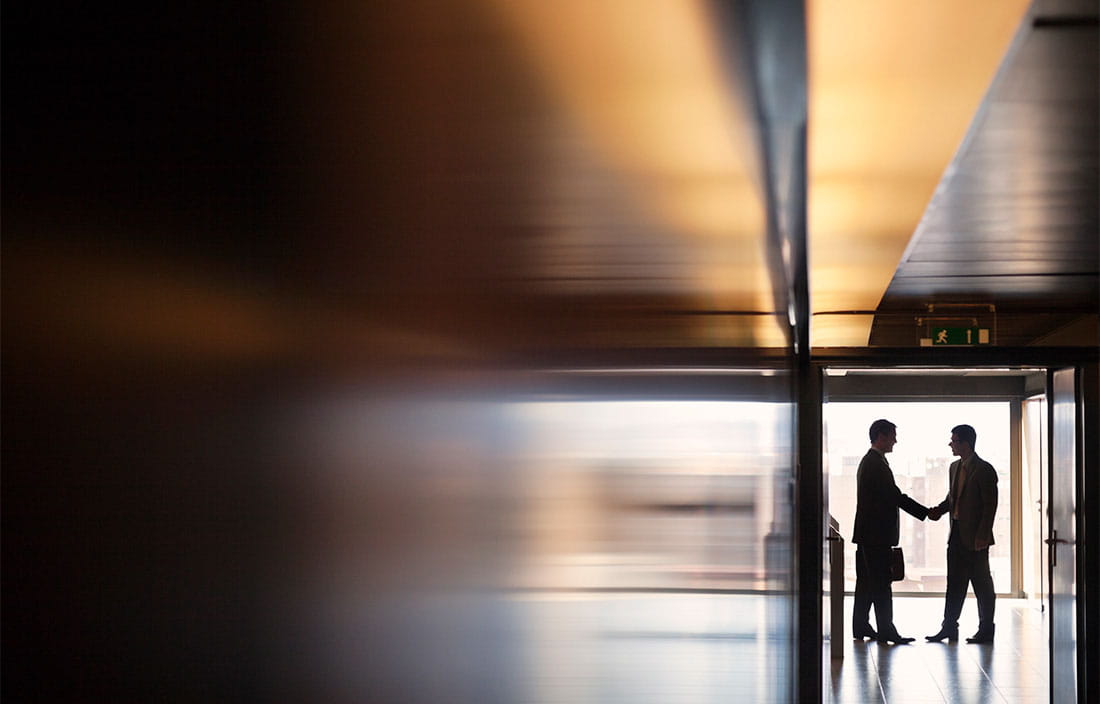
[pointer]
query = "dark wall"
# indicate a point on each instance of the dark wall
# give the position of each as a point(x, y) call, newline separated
point(140, 164)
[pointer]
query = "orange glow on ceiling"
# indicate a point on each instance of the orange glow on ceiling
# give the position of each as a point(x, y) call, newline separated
point(650, 92)
point(893, 89)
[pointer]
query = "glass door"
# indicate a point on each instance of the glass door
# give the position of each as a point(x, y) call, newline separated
point(1062, 533)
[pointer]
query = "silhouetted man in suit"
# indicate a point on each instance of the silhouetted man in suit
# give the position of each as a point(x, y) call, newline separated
point(972, 503)
point(876, 531)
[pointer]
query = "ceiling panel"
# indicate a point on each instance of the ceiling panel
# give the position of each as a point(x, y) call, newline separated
point(1070, 291)
point(893, 88)
point(1014, 222)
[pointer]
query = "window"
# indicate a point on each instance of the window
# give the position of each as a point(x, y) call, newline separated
point(920, 462)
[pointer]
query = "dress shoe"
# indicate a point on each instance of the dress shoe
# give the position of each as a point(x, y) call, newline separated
point(896, 639)
point(864, 632)
point(982, 636)
point(951, 635)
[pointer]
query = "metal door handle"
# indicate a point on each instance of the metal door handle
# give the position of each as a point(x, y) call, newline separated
point(1054, 539)
point(1052, 542)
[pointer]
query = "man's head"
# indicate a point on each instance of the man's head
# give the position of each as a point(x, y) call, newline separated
point(884, 435)
point(962, 442)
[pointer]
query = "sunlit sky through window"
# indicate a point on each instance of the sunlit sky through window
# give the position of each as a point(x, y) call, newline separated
point(924, 429)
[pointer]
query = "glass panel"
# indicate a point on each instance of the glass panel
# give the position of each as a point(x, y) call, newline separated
point(550, 547)
point(920, 462)
point(657, 542)
point(1033, 465)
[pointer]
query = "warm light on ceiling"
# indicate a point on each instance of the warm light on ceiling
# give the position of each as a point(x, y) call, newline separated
point(649, 91)
point(893, 89)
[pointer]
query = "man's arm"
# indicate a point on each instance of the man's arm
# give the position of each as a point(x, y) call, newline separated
point(988, 485)
point(935, 512)
point(912, 507)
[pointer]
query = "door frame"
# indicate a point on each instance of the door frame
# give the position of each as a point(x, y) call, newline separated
point(810, 496)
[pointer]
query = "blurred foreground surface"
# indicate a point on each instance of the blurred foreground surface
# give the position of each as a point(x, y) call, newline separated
point(340, 358)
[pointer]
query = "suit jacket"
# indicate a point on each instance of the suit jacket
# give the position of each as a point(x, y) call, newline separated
point(878, 499)
point(977, 502)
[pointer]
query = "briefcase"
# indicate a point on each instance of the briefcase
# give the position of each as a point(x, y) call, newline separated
point(897, 565)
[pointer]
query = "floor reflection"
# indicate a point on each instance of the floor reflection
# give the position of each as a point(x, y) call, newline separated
point(1011, 671)
point(692, 647)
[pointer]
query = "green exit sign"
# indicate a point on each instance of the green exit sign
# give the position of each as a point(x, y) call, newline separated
point(960, 336)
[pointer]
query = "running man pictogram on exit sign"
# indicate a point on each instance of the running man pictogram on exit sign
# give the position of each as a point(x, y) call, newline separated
point(960, 336)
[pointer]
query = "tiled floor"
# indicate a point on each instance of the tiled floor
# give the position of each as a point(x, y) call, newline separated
point(694, 648)
point(1013, 670)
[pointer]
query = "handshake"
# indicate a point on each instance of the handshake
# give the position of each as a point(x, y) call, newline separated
point(935, 512)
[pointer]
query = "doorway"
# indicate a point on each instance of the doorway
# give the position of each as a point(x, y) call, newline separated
point(1008, 408)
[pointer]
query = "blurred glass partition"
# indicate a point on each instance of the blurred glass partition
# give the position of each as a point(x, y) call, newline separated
point(572, 543)
point(635, 494)
point(282, 362)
